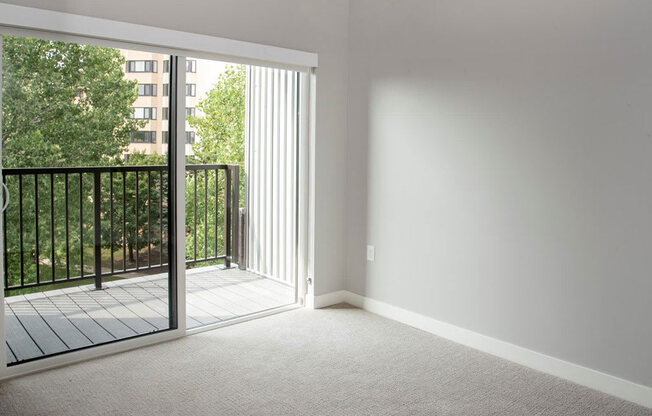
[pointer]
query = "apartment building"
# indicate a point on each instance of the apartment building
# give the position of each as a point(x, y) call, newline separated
point(151, 71)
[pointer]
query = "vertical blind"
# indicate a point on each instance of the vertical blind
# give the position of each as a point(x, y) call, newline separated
point(272, 120)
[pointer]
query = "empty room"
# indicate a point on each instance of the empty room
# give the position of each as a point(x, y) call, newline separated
point(310, 207)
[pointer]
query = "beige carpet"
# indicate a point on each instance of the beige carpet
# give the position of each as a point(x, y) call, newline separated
point(338, 361)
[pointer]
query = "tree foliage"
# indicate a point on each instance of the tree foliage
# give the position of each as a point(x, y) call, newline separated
point(220, 123)
point(64, 104)
point(221, 119)
point(69, 105)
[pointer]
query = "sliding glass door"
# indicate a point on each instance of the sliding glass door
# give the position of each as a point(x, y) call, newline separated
point(95, 142)
point(241, 190)
point(88, 152)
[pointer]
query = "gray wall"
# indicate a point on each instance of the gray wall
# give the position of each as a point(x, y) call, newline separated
point(500, 161)
point(309, 25)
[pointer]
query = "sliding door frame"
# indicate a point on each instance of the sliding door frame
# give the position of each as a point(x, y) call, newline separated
point(29, 22)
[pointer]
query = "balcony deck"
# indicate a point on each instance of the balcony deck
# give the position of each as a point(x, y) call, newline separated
point(61, 320)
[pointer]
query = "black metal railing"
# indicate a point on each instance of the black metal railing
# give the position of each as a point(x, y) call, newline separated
point(78, 223)
point(205, 218)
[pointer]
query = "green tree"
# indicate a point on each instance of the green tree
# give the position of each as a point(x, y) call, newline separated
point(221, 121)
point(64, 104)
point(220, 124)
point(151, 209)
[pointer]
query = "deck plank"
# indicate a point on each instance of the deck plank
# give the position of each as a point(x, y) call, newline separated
point(236, 287)
point(204, 311)
point(47, 340)
point(75, 317)
point(278, 288)
point(239, 280)
point(80, 319)
point(138, 306)
point(18, 339)
point(122, 309)
point(10, 355)
point(69, 334)
point(152, 301)
point(209, 312)
point(261, 292)
point(242, 296)
point(193, 315)
point(106, 318)
point(221, 298)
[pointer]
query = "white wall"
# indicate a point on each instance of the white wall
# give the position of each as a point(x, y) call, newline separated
point(501, 162)
point(309, 25)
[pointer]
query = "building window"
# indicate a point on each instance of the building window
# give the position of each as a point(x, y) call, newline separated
point(143, 137)
point(144, 113)
point(190, 137)
point(190, 111)
point(147, 90)
point(166, 90)
point(165, 137)
point(191, 90)
point(191, 65)
point(142, 66)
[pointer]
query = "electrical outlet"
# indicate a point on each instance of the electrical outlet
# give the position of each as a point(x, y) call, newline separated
point(371, 253)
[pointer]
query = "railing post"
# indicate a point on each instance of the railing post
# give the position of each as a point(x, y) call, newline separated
point(235, 211)
point(97, 228)
point(227, 219)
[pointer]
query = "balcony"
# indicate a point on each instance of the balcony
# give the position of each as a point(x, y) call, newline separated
point(60, 320)
point(86, 256)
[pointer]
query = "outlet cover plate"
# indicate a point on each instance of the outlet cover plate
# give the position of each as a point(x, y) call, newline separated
point(371, 253)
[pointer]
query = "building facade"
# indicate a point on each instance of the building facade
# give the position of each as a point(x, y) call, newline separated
point(152, 72)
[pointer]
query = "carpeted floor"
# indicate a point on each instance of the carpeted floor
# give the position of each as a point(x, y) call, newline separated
point(337, 361)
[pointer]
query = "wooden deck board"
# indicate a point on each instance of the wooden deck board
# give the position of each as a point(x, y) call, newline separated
point(153, 302)
point(69, 334)
point(227, 299)
point(65, 319)
point(10, 355)
point(18, 338)
point(235, 293)
point(205, 311)
point(193, 314)
point(221, 299)
point(241, 285)
point(129, 310)
point(107, 316)
point(47, 340)
point(81, 320)
point(157, 298)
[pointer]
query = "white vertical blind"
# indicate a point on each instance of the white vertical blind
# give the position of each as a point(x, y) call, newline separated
point(271, 138)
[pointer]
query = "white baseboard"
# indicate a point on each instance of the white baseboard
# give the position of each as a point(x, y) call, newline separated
point(594, 379)
point(328, 299)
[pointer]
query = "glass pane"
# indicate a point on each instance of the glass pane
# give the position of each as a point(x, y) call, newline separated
point(216, 198)
point(89, 208)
